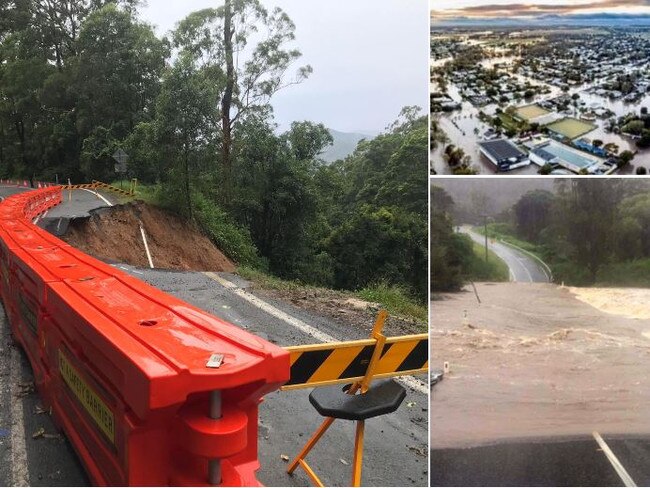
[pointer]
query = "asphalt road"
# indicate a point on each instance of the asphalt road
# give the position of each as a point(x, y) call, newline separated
point(24, 459)
point(576, 461)
point(523, 268)
point(396, 445)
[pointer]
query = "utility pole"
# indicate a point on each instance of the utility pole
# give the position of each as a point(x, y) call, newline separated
point(486, 237)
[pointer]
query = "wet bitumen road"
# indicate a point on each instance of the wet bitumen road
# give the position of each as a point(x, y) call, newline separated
point(46, 460)
point(577, 461)
point(396, 444)
point(523, 268)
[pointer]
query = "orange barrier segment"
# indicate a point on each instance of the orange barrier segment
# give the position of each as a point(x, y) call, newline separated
point(124, 366)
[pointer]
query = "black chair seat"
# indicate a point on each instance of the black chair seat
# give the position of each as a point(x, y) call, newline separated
point(382, 397)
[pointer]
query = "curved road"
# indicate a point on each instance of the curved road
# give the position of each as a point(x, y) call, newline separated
point(523, 268)
point(396, 444)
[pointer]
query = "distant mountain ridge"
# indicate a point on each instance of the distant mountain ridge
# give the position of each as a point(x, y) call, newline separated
point(604, 19)
point(344, 144)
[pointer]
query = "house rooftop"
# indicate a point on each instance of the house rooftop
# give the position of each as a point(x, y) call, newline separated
point(501, 149)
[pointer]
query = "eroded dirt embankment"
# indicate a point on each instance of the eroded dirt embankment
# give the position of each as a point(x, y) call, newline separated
point(538, 360)
point(114, 234)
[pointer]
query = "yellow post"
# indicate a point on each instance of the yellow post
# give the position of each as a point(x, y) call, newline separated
point(362, 384)
point(134, 181)
point(310, 444)
point(357, 462)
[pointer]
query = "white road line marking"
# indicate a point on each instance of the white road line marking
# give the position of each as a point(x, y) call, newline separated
point(299, 324)
point(545, 267)
point(98, 194)
point(620, 470)
point(523, 265)
point(19, 471)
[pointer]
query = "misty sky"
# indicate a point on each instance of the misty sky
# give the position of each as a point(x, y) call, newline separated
point(532, 8)
point(370, 58)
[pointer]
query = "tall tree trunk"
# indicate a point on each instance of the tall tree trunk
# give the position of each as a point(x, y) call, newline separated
point(188, 195)
point(20, 131)
point(226, 102)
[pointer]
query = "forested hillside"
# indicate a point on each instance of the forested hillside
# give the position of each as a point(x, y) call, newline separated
point(589, 231)
point(80, 79)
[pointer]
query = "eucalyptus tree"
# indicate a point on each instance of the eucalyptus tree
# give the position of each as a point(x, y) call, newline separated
point(248, 48)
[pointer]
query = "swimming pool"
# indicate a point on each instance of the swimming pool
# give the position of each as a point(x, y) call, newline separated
point(571, 156)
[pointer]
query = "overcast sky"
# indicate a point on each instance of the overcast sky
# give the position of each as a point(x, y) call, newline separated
point(370, 58)
point(509, 8)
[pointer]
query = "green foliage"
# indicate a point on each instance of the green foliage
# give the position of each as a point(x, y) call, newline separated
point(532, 213)
point(395, 300)
point(78, 80)
point(448, 251)
point(590, 232)
point(75, 78)
point(628, 273)
point(379, 245)
point(231, 239)
point(478, 269)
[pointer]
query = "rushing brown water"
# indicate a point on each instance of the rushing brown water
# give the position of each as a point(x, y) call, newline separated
point(533, 360)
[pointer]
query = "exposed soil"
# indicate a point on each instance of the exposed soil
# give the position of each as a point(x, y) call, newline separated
point(343, 308)
point(114, 234)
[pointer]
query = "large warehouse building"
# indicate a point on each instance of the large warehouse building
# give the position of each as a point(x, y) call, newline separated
point(504, 154)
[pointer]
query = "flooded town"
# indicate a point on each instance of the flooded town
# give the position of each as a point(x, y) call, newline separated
point(558, 101)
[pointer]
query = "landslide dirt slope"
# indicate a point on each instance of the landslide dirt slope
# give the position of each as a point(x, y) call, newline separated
point(114, 234)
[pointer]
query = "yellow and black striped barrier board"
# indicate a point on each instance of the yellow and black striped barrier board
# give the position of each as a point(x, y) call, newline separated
point(112, 188)
point(346, 362)
point(78, 187)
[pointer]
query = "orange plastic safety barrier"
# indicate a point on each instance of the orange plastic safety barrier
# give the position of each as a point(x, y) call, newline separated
point(150, 390)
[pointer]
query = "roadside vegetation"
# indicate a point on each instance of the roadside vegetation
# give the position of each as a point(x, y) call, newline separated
point(194, 112)
point(590, 232)
point(455, 258)
point(394, 299)
point(494, 269)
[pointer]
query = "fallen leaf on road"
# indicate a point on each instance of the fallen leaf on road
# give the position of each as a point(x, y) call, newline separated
point(284, 457)
point(39, 433)
point(25, 389)
point(343, 461)
point(419, 451)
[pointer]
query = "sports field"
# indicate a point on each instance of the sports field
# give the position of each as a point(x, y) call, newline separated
point(571, 128)
point(530, 112)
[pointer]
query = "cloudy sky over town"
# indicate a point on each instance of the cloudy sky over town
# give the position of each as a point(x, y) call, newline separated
point(365, 67)
point(532, 8)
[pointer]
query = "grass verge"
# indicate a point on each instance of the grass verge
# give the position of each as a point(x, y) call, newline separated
point(392, 298)
point(495, 231)
point(494, 269)
point(147, 193)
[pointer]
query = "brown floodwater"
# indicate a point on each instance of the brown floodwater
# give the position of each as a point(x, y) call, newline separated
point(534, 360)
